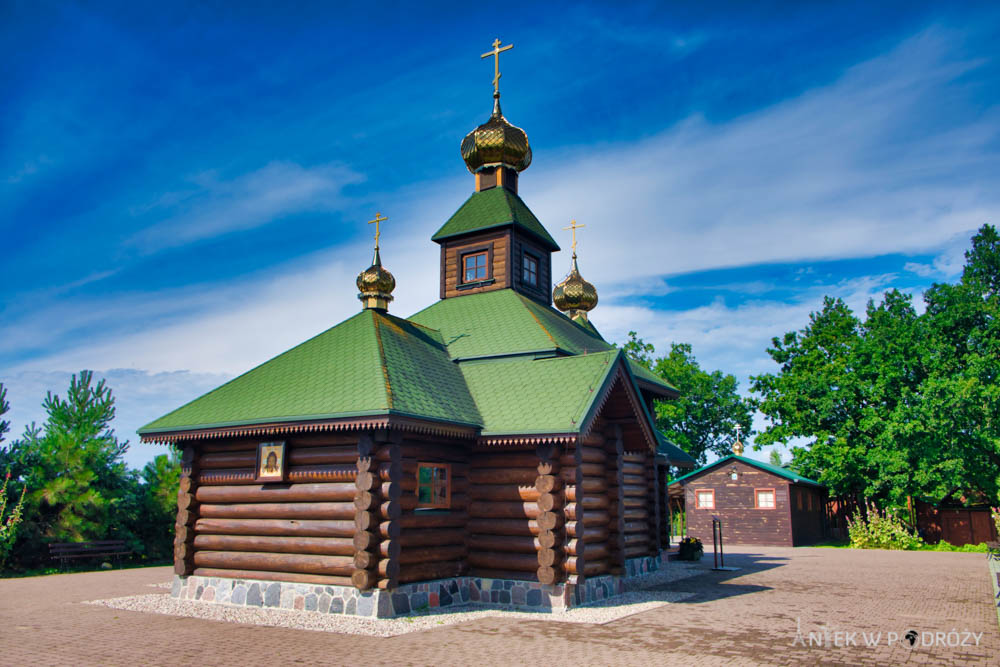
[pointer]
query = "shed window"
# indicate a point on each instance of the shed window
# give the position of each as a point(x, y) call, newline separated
point(704, 499)
point(764, 499)
point(434, 485)
point(530, 270)
point(474, 267)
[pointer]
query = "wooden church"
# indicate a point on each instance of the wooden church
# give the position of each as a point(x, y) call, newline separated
point(487, 449)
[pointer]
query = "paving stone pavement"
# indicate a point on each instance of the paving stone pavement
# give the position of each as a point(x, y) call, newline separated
point(736, 618)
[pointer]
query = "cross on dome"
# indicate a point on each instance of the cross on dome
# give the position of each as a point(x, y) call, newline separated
point(497, 50)
point(378, 218)
point(574, 227)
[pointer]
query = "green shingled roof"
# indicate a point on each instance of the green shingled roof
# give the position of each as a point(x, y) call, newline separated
point(495, 207)
point(524, 395)
point(372, 363)
point(674, 454)
point(767, 467)
point(504, 322)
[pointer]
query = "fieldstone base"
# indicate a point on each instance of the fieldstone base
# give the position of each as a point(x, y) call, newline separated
point(414, 598)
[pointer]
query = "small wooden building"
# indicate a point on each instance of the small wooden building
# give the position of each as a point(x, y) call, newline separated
point(758, 503)
point(490, 444)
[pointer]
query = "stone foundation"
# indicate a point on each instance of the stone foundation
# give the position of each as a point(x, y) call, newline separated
point(414, 598)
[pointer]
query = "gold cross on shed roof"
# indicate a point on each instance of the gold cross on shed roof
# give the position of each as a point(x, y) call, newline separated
point(497, 50)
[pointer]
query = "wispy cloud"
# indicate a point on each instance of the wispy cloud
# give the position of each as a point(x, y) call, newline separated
point(215, 205)
point(854, 169)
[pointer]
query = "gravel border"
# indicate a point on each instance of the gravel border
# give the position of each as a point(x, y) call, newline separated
point(635, 601)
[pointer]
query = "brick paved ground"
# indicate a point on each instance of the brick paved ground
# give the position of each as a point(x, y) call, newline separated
point(738, 618)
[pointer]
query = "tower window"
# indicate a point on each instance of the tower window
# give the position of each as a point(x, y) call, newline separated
point(474, 267)
point(530, 270)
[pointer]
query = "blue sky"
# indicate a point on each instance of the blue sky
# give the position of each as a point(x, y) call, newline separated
point(183, 191)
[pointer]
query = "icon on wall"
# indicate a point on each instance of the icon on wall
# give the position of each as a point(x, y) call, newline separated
point(271, 462)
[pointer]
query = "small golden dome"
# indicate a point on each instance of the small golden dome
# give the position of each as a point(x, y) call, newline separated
point(496, 142)
point(574, 294)
point(375, 285)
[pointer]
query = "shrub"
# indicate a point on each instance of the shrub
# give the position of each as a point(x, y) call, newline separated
point(8, 526)
point(881, 530)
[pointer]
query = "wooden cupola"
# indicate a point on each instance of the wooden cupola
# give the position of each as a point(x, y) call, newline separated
point(494, 241)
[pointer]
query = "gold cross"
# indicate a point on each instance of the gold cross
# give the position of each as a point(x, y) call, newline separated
point(738, 429)
point(378, 218)
point(574, 227)
point(497, 50)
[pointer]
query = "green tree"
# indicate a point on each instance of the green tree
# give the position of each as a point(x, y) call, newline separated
point(776, 458)
point(704, 418)
point(900, 404)
point(160, 478)
point(639, 350)
point(74, 467)
point(841, 384)
point(956, 424)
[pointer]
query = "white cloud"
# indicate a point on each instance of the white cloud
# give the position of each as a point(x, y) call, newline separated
point(824, 175)
point(853, 169)
point(217, 206)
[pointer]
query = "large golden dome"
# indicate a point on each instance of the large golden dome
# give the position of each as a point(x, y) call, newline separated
point(375, 285)
point(574, 294)
point(496, 142)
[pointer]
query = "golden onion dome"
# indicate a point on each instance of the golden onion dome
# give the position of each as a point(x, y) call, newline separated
point(574, 294)
point(375, 285)
point(496, 142)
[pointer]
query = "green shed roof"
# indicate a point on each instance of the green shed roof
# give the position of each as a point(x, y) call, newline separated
point(674, 454)
point(524, 395)
point(495, 207)
point(767, 467)
point(504, 322)
point(643, 374)
point(372, 363)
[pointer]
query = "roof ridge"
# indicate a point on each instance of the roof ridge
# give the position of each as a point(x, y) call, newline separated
point(384, 363)
point(539, 322)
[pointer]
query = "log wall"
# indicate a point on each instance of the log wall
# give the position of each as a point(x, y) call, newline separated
point(431, 542)
point(588, 509)
point(302, 530)
point(506, 525)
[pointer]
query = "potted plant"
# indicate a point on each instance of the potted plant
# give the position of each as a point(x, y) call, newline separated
point(690, 549)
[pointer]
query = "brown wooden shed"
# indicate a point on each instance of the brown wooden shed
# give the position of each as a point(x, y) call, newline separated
point(758, 503)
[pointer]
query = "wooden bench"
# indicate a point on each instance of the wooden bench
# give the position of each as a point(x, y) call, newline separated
point(66, 551)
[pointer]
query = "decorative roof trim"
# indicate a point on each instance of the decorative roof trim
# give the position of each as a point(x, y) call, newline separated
point(361, 424)
point(522, 440)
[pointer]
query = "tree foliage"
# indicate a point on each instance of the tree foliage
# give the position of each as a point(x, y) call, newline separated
point(79, 488)
point(897, 404)
point(704, 418)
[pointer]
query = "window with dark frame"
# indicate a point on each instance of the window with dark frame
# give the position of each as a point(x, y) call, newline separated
point(763, 499)
point(434, 485)
point(530, 270)
point(474, 267)
point(704, 499)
